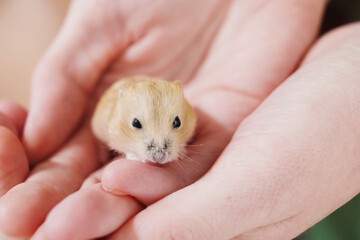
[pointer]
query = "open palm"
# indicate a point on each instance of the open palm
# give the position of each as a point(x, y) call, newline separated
point(229, 55)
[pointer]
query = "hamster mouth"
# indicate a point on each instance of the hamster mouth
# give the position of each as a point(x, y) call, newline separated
point(155, 164)
point(156, 161)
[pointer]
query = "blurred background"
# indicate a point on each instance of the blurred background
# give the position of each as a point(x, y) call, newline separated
point(27, 27)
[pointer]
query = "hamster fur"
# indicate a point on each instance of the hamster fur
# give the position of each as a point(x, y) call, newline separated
point(145, 118)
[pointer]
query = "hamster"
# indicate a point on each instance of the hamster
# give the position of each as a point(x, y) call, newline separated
point(145, 118)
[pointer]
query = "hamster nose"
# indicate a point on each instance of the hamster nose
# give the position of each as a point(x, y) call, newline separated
point(152, 146)
point(158, 156)
point(166, 144)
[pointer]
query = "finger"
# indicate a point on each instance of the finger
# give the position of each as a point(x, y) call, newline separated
point(67, 74)
point(331, 40)
point(270, 45)
point(13, 161)
point(15, 114)
point(87, 214)
point(25, 206)
point(186, 225)
point(257, 182)
point(144, 182)
point(94, 178)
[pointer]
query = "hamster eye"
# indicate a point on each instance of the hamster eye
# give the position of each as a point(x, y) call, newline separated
point(136, 124)
point(176, 122)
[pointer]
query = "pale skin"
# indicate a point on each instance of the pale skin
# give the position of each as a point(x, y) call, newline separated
point(277, 176)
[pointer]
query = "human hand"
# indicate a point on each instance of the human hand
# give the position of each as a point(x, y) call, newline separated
point(99, 44)
point(14, 165)
point(117, 34)
point(293, 161)
point(214, 89)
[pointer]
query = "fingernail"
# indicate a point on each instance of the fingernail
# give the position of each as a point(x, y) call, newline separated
point(5, 237)
point(114, 192)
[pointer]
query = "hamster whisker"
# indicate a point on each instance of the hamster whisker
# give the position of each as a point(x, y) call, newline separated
point(186, 148)
point(180, 166)
point(194, 145)
point(181, 163)
point(183, 154)
point(189, 159)
point(190, 164)
point(196, 152)
point(199, 163)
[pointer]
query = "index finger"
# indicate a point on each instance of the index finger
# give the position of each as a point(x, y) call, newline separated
point(65, 77)
point(13, 162)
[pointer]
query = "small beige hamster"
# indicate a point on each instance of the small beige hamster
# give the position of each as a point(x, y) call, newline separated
point(145, 118)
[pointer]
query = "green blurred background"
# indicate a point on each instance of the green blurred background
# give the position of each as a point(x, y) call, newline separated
point(343, 224)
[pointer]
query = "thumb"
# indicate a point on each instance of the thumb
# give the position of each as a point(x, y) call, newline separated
point(207, 209)
point(235, 196)
point(67, 74)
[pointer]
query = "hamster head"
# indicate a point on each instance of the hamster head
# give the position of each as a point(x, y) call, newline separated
point(151, 121)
